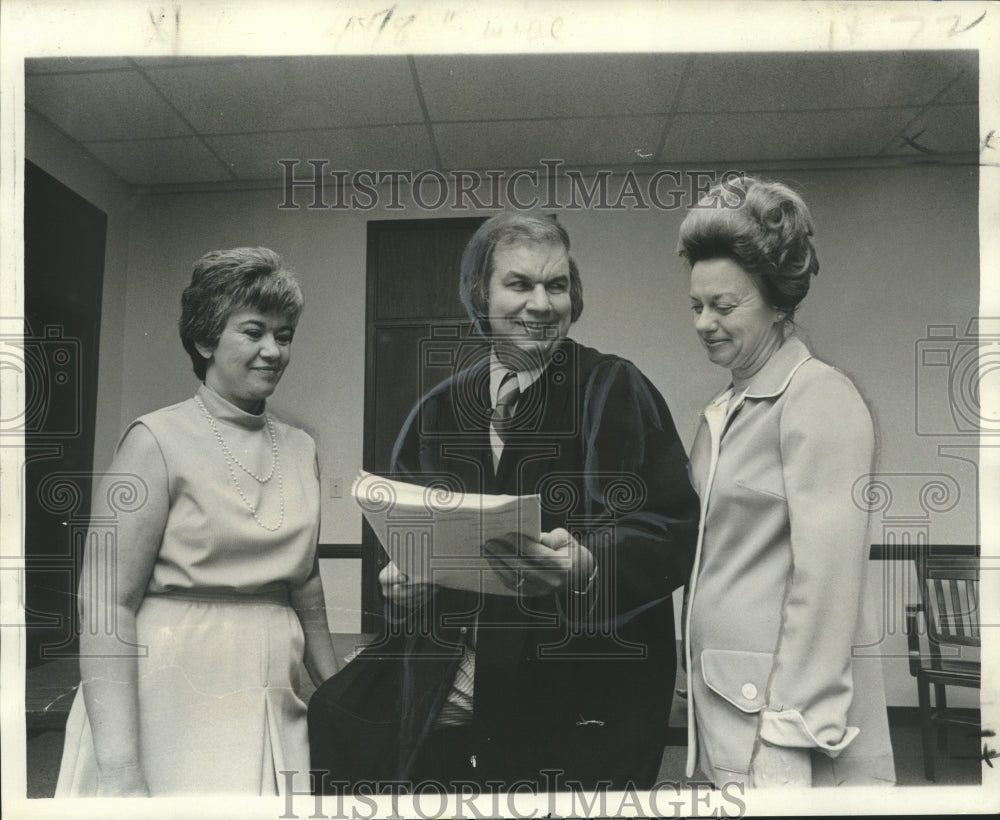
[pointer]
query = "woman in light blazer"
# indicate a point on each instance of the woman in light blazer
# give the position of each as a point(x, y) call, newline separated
point(784, 680)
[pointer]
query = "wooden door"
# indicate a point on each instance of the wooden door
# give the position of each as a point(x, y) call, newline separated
point(415, 319)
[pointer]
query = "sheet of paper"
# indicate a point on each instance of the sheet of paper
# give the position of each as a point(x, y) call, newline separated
point(435, 533)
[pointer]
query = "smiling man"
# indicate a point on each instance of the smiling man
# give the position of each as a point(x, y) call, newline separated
point(568, 679)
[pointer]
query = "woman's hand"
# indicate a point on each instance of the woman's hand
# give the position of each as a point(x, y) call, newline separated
point(122, 781)
point(780, 766)
point(536, 568)
point(398, 589)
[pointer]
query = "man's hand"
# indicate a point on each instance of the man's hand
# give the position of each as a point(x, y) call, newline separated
point(536, 568)
point(399, 590)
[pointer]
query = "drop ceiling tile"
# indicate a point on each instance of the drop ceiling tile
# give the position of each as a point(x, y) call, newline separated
point(71, 65)
point(382, 148)
point(789, 82)
point(758, 137)
point(160, 161)
point(230, 97)
point(521, 144)
point(498, 87)
point(102, 105)
point(940, 129)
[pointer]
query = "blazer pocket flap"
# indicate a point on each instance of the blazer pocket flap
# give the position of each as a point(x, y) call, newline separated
point(739, 677)
point(762, 484)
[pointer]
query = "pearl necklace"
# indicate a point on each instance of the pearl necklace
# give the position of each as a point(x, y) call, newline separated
point(230, 459)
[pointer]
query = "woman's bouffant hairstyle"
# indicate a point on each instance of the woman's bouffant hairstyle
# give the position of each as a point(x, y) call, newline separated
point(505, 229)
point(225, 281)
point(767, 234)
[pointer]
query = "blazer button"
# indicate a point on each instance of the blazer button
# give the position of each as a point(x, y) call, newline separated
point(464, 629)
point(749, 691)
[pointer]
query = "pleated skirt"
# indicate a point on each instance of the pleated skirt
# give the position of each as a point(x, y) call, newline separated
point(219, 709)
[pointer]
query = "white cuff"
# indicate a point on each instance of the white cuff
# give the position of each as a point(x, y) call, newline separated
point(788, 728)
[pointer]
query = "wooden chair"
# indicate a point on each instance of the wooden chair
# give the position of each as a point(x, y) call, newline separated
point(949, 606)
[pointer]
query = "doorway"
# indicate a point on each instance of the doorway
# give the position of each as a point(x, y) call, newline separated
point(414, 321)
point(64, 238)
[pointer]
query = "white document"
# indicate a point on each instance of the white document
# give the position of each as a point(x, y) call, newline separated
point(436, 533)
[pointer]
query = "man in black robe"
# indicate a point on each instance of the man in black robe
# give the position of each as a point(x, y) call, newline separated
point(567, 681)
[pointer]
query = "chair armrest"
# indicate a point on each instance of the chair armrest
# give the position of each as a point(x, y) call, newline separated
point(913, 637)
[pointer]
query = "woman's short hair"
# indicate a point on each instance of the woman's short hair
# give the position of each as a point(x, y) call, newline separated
point(225, 281)
point(767, 233)
point(503, 230)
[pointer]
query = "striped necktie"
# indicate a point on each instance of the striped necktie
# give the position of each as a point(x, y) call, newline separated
point(507, 397)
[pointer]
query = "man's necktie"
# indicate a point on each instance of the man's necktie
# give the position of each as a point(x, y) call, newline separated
point(507, 397)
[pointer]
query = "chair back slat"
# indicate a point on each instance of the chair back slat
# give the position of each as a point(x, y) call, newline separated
point(951, 598)
point(939, 607)
point(974, 607)
point(959, 614)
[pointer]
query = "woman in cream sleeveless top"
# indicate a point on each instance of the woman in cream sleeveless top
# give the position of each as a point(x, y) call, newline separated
point(196, 620)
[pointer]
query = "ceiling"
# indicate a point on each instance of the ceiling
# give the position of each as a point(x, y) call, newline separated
point(170, 121)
